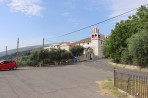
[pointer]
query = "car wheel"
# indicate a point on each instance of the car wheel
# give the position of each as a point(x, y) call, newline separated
point(14, 68)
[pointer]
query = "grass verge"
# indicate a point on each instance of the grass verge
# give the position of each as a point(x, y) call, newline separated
point(107, 89)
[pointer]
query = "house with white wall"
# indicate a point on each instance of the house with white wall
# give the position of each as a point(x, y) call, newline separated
point(93, 45)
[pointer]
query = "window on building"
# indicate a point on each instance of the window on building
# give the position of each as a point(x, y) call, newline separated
point(92, 36)
point(87, 43)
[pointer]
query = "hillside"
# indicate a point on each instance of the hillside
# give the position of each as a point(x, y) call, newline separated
point(21, 50)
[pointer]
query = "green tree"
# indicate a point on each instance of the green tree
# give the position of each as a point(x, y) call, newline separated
point(34, 57)
point(66, 55)
point(126, 57)
point(38, 56)
point(117, 43)
point(138, 48)
point(76, 50)
point(59, 55)
point(107, 48)
point(43, 55)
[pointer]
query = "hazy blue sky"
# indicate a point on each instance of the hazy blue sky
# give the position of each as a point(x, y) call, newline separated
point(31, 20)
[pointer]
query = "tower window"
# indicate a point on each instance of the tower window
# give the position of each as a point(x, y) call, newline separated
point(92, 36)
point(95, 35)
point(98, 36)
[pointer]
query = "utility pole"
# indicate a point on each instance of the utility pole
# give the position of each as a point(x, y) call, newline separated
point(17, 49)
point(43, 51)
point(6, 52)
point(43, 42)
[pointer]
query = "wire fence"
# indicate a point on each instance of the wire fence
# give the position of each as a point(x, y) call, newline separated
point(135, 85)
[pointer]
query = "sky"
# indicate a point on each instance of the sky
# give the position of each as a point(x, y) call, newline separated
point(33, 20)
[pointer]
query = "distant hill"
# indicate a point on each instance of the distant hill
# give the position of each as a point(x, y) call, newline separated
point(13, 51)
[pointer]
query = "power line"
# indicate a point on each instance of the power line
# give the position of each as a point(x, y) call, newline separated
point(97, 23)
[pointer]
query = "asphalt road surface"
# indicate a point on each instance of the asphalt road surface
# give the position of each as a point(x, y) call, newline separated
point(72, 81)
point(102, 64)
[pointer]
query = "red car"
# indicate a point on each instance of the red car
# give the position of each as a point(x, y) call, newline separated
point(8, 64)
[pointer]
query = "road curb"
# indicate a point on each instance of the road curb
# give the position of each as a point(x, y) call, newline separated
point(131, 67)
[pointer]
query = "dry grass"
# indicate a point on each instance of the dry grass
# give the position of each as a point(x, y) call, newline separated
point(107, 89)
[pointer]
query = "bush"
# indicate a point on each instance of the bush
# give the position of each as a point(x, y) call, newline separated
point(60, 56)
point(138, 48)
point(130, 34)
point(126, 58)
point(77, 50)
point(106, 48)
point(26, 61)
point(45, 57)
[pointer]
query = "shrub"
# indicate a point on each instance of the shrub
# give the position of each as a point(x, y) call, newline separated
point(126, 58)
point(138, 48)
point(76, 50)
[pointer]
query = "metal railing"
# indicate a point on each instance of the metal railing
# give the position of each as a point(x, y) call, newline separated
point(135, 85)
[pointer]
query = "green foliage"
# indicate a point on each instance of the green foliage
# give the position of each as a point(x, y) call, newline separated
point(55, 55)
point(126, 58)
point(138, 48)
point(76, 50)
point(116, 47)
point(26, 61)
point(52, 55)
point(67, 55)
point(44, 57)
point(59, 55)
point(35, 55)
point(107, 48)
point(43, 54)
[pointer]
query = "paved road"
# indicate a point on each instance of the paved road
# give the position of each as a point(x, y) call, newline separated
point(103, 65)
point(72, 81)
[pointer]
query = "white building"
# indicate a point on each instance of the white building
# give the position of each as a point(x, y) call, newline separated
point(93, 45)
point(52, 46)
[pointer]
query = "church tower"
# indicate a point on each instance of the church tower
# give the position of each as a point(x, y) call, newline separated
point(96, 43)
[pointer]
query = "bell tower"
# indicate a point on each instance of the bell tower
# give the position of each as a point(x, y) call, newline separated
point(95, 34)
point(96, 43)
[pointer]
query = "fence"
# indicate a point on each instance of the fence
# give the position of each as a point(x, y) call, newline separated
point(135, 85)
